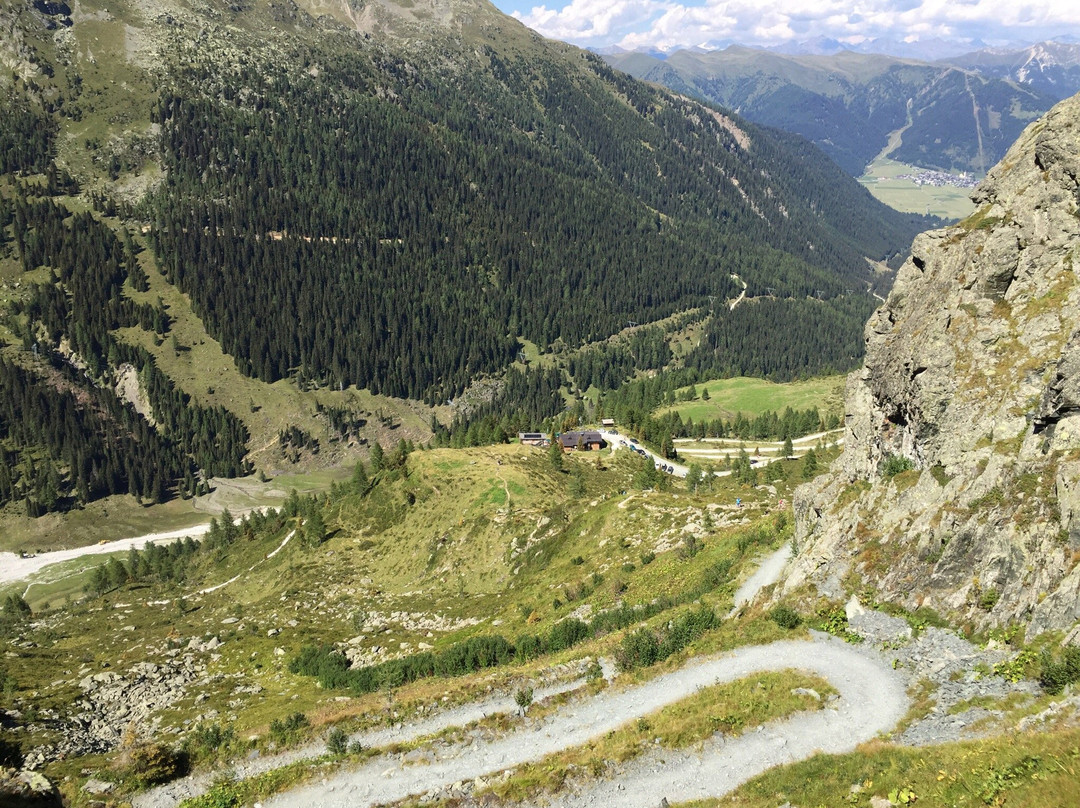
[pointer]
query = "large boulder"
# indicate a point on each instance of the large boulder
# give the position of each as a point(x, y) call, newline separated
point(26, 789)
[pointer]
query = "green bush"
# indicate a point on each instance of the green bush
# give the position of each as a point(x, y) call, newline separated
point(337, 742)
point(716, 574)
point(643, 647)
point(785, 616)
point(690, 547)
point(523, 697)
point(895, 464)
point(565, 634)
point(639, 649)
point(287, 731)
point(209, 741)
point(150, 763)
point(1057, 672)
point(988, 599)
point(528, 646)
point(222, 794)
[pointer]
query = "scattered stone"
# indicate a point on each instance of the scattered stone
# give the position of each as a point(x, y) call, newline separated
point(95, 786)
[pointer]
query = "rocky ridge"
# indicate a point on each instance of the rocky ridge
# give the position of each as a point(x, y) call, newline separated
point(959, 485)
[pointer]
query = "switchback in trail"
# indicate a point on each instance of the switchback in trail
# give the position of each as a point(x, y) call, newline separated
point(872, 700)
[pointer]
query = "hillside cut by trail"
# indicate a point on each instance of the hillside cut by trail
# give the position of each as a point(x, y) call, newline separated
point(860, 679)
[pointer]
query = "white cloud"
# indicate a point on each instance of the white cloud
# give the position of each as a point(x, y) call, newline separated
point(667, 24)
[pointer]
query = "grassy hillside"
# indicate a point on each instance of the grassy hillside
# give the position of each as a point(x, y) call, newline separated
point(1028, 770)
point(451, 545)
point(752, 397)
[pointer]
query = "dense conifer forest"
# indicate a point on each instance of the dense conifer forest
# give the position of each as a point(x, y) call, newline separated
point(65, 435)
point(399, 231)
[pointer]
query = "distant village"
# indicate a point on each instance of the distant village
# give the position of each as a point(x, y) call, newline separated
point(939, 179)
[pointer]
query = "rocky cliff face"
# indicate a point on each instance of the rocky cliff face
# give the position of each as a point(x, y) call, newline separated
point(959, 485)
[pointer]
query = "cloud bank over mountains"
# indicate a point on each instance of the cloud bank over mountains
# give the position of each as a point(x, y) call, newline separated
point(666, 25)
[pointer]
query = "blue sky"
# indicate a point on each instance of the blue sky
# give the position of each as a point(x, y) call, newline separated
point(667, 24)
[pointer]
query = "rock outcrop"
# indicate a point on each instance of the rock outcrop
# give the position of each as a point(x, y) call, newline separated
point(959, 485)
point(26, 789)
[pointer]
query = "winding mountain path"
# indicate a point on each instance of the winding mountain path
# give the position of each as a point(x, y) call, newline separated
point(872, 700)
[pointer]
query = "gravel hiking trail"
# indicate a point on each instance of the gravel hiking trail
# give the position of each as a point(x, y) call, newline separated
point(171, 794)
point(768, 572)
point(14, 567)
point(872, 700)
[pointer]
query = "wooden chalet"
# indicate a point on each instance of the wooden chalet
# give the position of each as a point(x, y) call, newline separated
point(586, 441)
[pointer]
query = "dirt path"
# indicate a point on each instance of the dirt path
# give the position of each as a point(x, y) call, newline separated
point(269, 555)
point(768, 572)
point(872, 700)
point(742, 294)
point(13, 567)
point(171, 794)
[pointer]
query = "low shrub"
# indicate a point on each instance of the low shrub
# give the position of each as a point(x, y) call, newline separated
point(1058, 671)
point(288, 731)
point(337, 742)
point(644, 647)
point(639, 649)
point(895, 464)
point(149, 763)
point(209, 741)
point(785, 616)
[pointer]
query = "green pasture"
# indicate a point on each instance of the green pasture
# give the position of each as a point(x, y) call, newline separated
point(751, 397)
point(882, 180)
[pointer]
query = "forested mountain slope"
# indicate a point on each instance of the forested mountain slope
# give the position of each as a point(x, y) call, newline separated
point(850, 103)
point(392, 197)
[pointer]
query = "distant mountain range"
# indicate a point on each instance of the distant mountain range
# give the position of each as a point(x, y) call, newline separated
point(958, 114)
point(1049, 67)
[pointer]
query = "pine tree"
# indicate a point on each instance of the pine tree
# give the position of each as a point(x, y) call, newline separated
point(378, 458)
point(555, 453)
point(315, 528)
point(359, 478)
